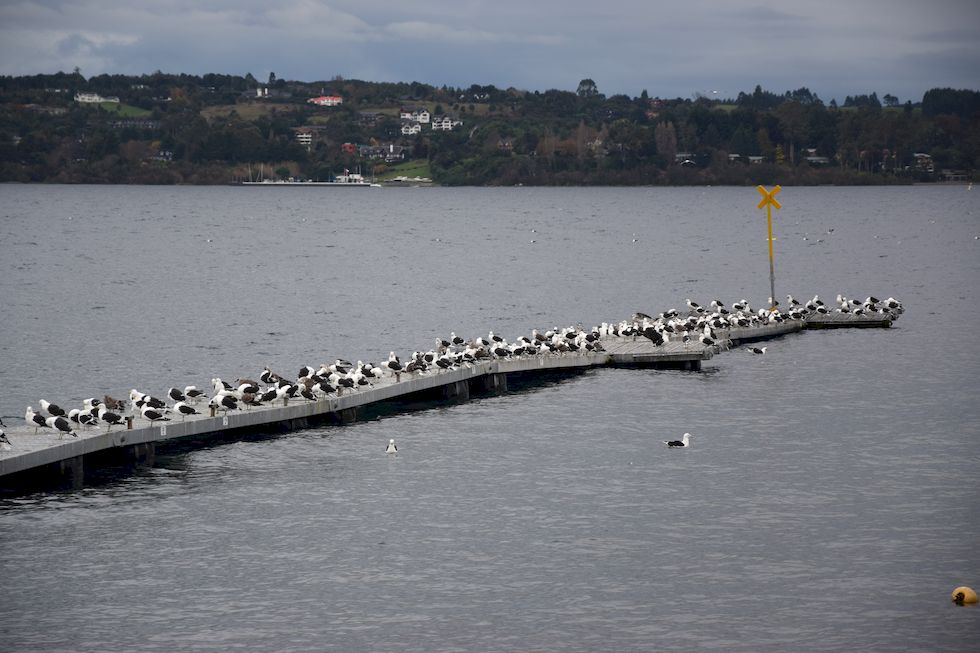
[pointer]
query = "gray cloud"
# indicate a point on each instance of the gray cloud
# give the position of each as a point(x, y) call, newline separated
point(835, 47)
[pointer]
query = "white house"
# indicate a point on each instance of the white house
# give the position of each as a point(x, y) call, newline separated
point(94, 98)
point(445, 123)
point(924, 162)
point(390, 153)
point(305, 138)
point(326, 100)
point(410, 128)
point(415, 115)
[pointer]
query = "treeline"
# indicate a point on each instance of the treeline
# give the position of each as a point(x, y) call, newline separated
point(168, 128)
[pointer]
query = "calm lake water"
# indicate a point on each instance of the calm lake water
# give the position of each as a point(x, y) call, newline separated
point(829, 501)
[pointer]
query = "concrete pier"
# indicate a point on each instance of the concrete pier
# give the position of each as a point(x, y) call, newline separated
point(848, 321)
point(72, 472)
point(35, 453)
point(639, 352)
point(44, 460)
point(489, 384)
point(739, 336)
point(456, 391)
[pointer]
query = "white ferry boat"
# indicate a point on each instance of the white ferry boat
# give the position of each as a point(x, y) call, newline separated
point(354, 179)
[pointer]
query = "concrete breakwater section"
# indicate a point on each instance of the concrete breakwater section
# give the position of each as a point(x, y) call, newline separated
point(41, 460)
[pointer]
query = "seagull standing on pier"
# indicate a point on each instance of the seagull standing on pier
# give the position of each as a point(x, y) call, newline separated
point(184, 410)
point(653, 335)
point(109, 418)
point(62, 425)
point(192, 393)
point(4, 442)
point(153, 415)
point(394, 364)
point(52, 409)
point(33, 418)
point(113, 404)
point(268, 376)
point(706, 337)
point(141, 400)
point(227, 402)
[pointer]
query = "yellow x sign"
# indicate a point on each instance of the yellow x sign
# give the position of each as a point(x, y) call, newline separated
point(769, 197)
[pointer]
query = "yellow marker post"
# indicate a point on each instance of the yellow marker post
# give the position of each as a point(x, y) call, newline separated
point(769, 200)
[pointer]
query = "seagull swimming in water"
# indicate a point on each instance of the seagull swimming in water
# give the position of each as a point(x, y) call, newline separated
point(683, 442)
point(391, 448)
point(757, 350)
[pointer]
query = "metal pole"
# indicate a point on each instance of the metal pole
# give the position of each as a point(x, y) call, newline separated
point(769, 200)
point(772, 271)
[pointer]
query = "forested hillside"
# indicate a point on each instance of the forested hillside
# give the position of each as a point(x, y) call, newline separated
point(166, 128)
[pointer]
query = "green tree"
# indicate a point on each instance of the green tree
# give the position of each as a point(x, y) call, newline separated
point(743, 142)
point(665, 136)
point(793, 125)
point(587, 89)
point(962, 103)
point(764, 143)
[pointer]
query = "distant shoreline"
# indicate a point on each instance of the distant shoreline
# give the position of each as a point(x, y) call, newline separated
point(388, 184)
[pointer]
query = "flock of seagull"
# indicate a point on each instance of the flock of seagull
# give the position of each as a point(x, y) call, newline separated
point(311, 383)
point(315, 383)
point(704, 323)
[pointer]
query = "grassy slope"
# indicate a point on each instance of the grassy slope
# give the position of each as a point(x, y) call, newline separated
point(414, 168)
point(124, 110)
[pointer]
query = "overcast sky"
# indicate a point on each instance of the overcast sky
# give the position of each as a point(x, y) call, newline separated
point(670, 48)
